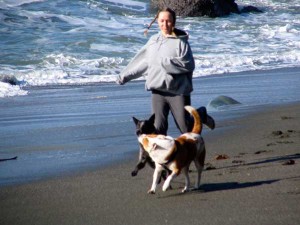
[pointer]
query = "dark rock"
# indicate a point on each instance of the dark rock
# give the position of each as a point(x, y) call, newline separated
point(221, 157)
point(225, 7)
point(8, 79)
point(222, 101)
point(249, 9)
point(210, 8)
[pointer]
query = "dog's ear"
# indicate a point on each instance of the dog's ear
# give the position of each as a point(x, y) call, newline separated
point(152, 118)
point(135, 120)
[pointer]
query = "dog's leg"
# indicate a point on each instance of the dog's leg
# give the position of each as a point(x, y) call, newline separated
point(199, 163)
point(187, 180)
point(199, 172)
point(156, 177)
point(168, 181)
point(143, 159)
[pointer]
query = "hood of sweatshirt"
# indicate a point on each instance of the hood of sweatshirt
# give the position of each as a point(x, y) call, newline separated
point(181, 34)
point(177, 33)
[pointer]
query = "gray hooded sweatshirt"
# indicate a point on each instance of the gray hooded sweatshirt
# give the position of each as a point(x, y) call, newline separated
point(166, 62)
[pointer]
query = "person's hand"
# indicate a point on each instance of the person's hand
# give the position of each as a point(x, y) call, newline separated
point(118, 81)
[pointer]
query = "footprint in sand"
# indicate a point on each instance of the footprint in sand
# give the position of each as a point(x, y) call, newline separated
point(285, 142)
point(281, 134)
point(238, 161)
point(262, 151)
point(286, 117)
point(277, 133)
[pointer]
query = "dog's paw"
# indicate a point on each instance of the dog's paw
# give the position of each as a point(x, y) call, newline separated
point(134, 173)
point(195, 189)
point(165, 187)
point(185, 190)
point(152, 192)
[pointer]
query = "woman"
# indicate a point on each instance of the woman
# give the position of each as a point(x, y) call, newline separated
point(168, 62)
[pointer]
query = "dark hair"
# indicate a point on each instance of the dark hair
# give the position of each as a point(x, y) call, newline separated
point(171, 11)
point(167, 9)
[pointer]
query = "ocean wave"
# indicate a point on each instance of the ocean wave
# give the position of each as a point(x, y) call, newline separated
point(58, 77)
point(8, 90)
point(59, 69)
point(229, 63)
point(14, 3)
point(66, 70)
point(127, 4)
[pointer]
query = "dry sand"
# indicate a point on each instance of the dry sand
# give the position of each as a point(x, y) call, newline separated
point(251, 186)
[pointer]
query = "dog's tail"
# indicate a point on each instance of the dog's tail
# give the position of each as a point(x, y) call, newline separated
point(197, 128)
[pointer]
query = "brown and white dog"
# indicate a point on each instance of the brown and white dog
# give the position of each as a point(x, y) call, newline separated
point(176, 154)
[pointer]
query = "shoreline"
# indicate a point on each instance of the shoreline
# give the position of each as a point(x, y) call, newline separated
point(253, 186)
point(66, 129)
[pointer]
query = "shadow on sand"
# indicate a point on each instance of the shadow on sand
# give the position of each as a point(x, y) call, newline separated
point(233, 185)
point(266, 160)
point(236, 185)
point(205, 188)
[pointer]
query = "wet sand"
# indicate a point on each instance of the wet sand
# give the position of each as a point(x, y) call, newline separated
point(258, 183)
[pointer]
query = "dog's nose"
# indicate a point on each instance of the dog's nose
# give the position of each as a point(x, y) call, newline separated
point(138, 132)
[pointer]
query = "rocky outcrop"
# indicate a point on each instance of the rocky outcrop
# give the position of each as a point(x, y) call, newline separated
point(8, 79)
point(211, 8)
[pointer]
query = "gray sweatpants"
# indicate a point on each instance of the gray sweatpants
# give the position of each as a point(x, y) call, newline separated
point(163, 103)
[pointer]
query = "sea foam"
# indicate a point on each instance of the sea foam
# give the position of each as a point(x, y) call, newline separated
point(8, 90)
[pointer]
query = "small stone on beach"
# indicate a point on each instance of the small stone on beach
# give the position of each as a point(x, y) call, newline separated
point(210, 167)
point(277, 132)
point(259, 152)
point(270, 144)
point(221, 157)
point(289, 162)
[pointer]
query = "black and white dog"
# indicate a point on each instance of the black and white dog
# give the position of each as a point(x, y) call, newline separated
point(143, 127)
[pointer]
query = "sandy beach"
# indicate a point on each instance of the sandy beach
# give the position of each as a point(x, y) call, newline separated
point(258, 183)
point(76, 149)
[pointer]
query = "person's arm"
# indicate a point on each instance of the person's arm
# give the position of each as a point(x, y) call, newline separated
point(135, 69)
point(182, 64)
